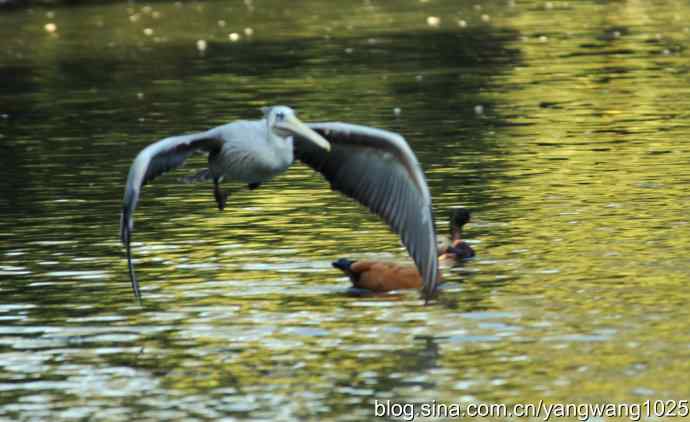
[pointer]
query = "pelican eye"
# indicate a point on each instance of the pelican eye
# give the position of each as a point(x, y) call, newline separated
point(280, 116)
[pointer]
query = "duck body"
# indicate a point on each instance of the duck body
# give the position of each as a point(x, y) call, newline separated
point(378, 276)
point(456, 252)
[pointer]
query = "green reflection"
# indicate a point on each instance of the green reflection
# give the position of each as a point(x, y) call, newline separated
point(576, 170)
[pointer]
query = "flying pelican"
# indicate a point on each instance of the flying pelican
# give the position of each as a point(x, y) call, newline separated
point(375, 167)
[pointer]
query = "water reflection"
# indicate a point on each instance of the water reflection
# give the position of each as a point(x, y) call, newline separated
point(574, 169)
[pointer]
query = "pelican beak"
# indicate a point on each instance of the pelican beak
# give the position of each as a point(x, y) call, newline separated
point(293, 125)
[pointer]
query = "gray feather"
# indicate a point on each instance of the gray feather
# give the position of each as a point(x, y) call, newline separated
point(378, 169)
point(151, 162)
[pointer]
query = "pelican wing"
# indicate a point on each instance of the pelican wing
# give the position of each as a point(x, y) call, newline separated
point(152, 161)
point(378, 169)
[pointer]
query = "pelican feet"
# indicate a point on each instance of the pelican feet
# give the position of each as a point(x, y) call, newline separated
point(221, 198)
point(220, 195)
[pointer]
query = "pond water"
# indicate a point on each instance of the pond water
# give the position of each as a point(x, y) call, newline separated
point(563, 126)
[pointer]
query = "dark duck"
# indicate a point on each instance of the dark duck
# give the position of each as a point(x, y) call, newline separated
point(381, 276)
point(455, 249)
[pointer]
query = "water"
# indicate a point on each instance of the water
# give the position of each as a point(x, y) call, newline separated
point(563, 126)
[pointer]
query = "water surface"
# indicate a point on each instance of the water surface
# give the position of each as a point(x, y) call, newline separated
point(562, 126)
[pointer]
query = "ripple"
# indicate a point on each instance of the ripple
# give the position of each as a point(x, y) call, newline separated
point(80, 275)
point(564, 136)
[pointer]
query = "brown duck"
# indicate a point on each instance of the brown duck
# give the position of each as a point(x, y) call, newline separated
point(381, 276)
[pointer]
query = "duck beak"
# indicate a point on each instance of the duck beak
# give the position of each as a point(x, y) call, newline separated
point(293, 125)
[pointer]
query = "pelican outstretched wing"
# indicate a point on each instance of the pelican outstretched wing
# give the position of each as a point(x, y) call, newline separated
point(152, 161)
point(378, 169)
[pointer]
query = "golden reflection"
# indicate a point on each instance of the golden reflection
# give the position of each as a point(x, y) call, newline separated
point(576, 171)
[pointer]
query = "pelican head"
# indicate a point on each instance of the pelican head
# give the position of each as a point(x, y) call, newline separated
point(283, 122)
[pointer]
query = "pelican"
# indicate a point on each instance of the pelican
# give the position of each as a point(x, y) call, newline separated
point(373, 166)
